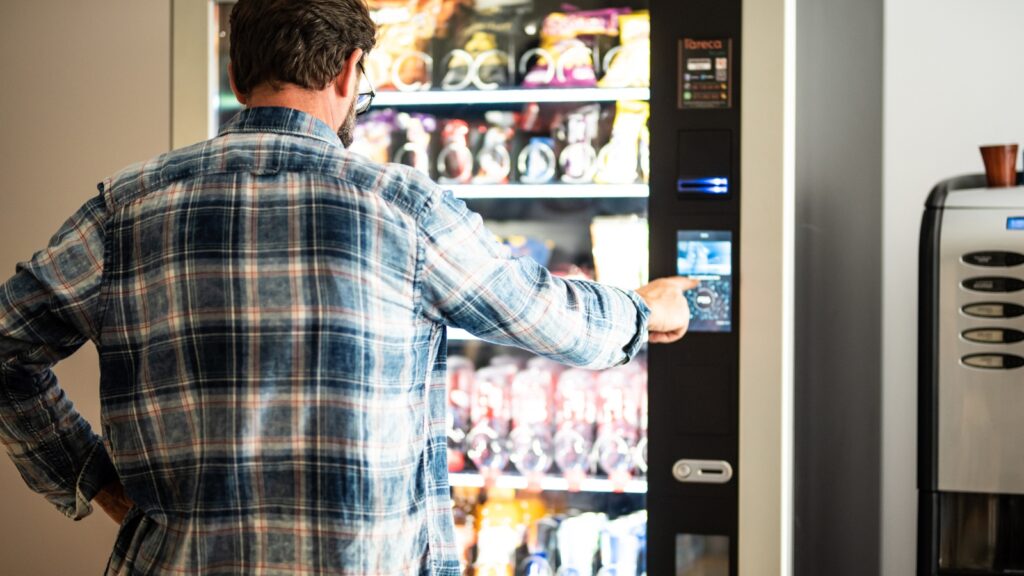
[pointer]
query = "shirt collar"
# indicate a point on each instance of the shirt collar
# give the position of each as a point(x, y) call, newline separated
point(280, 121)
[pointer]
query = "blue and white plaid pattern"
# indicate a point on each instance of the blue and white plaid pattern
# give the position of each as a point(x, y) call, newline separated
point(269, 311)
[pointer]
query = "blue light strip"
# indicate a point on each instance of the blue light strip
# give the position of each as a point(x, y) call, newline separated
point(1015, 223)
point(714, 186)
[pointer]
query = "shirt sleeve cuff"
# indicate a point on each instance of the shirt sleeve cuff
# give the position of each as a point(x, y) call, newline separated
point(97, 472)
point(640, 338)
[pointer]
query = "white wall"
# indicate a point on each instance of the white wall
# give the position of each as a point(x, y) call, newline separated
point(86, 90)
point(954, 79)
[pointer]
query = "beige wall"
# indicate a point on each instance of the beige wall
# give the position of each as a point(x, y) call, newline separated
point(86, 90)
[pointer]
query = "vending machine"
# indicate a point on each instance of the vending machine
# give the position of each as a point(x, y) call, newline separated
point(602, 140)
point(971, 381)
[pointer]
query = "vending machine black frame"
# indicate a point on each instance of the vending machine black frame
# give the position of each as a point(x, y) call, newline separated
point(694, 384)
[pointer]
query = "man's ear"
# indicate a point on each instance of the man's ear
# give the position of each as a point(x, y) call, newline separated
point(234, 88)
point(346, 84)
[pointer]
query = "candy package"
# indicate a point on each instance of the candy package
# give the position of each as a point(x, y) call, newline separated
point(537, 163)
point(629, 63)
point(455, 160)
point(372, 136)
point(619, 159)
point(494, 157)
point(569, 42)
point(481, 48)
point(575, 136)
point(401, 59)
point(415, 132)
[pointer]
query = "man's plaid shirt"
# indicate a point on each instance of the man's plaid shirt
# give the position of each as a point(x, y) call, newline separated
point(270, 311)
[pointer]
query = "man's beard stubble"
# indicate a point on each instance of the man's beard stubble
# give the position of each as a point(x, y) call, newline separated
point(348, 126)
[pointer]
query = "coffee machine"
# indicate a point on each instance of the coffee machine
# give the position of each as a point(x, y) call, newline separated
point(971, 381)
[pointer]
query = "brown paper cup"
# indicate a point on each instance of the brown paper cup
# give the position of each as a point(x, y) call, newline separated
point(1000, 165)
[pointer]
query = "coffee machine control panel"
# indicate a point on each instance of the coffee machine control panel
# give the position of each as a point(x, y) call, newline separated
point(981, 345)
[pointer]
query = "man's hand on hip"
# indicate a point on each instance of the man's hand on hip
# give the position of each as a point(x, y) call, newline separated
point(670, 313)
point(112, 499)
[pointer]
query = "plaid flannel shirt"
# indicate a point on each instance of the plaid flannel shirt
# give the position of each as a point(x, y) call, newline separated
point(270, 311)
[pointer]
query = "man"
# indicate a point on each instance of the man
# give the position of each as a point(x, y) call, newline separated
point(269, 311)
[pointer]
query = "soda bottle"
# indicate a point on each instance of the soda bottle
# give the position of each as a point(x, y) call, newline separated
point(576, 411)
point(532, 412)
point(618, 426)
point(499, 533)
point(490, 411)
point(460, 386)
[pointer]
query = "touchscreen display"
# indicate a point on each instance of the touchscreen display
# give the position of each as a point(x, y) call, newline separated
point(707, 256)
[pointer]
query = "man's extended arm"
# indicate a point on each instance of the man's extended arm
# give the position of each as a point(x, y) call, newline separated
point(470, 281)
point(48, 309)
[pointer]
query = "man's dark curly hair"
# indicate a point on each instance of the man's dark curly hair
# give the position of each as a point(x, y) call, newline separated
point(302, 42)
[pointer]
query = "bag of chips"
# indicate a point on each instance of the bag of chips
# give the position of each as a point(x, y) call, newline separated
point(629, 63)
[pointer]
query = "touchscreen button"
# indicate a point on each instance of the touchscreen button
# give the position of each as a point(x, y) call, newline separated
point(706, 255)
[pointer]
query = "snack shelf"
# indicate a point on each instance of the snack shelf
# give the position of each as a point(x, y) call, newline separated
point(583, 191)
point(397, 99)
point(508, 96)
point(548, 483)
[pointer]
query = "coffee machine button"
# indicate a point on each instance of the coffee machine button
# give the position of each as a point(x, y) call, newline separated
point(994, 284)
point(993, 335)
point(994, 310)
point(994, 259)
point(993, 361)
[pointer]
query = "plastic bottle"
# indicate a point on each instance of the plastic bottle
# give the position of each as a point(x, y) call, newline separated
point(576, 411)
point(618, 422)
point(499, 533)
point(490, 411)
point(532, 413)
point(460, 386)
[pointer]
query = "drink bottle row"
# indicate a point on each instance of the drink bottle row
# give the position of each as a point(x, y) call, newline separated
point(538, 417)
point(533, 536)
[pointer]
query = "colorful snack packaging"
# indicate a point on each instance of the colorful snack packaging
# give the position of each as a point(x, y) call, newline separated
point(372, 136)
point(629, 63)
point(537, 163)
point(480, 56)
point(404, 30)
point(414, 151)
point(494, 158)
point(576, 135)
point(455, 160)
point(619, 159)
point(565, 58)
